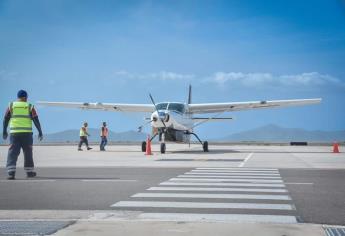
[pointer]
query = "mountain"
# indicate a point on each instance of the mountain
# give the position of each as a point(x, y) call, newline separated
point(70, 136)
point(73, 136)
point(274, 133)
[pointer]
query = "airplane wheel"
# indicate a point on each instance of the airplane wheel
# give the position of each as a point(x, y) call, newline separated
point(143, 146)
point(205, 146)
point(163, 148)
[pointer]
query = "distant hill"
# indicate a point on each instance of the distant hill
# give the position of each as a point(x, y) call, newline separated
point(274, 133)
point(73, 136)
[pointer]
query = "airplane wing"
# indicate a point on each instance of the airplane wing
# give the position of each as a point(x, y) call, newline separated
point(240, 106)
point(102, 106)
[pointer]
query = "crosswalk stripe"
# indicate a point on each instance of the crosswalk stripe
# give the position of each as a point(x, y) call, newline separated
point(204, 205)
point(263, 190)
point(237, 171)
point(236, 168)
point(224, 180)
point(229, 174)
point(229, 177)
point(190, 217)
point(223, 184)
point(214, 196)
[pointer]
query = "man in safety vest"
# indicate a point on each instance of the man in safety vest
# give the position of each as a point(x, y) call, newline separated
point(20, 114)
point(104, 136)
point(83, 137)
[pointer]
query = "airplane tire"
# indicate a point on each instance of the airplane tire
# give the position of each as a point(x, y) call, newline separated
point(143, 146)
point(163, 147)
point(205, 146)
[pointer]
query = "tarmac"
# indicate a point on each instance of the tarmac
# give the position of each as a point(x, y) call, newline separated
point(231, 190)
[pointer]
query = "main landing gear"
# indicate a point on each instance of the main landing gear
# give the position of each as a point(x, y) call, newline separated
point(204, 144)
point(163, 145)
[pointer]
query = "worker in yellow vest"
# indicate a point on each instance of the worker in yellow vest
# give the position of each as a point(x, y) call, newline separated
point(104, 136)
point(20, 114)
point(83, 134)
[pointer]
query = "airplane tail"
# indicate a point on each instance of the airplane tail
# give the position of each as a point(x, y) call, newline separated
point(190, 94)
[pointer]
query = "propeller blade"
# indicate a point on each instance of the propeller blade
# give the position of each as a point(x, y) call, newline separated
point(153, 102)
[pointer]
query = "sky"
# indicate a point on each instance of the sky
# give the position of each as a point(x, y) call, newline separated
point(120, 51)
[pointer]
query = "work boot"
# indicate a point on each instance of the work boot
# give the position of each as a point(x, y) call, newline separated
point(11, 175)
point(79, 149)
point(31, 174)
point(88, 148)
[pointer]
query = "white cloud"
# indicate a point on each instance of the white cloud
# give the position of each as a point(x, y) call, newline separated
point(268, 79)
point(162, 75)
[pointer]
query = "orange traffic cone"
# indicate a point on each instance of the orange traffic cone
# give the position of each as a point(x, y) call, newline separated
point(336, 148)
point(148, 146)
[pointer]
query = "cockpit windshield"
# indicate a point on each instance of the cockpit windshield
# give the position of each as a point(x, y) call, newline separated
point(162, 106)
point(179, 107)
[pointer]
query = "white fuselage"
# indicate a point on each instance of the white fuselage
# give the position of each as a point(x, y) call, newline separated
point(177, 119)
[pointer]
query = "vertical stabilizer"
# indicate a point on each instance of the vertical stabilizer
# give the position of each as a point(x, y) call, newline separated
point(190, 94)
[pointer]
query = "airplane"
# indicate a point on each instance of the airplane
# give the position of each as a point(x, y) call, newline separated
point(175, 121)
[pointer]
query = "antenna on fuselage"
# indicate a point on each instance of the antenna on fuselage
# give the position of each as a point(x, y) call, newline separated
point(190, 94)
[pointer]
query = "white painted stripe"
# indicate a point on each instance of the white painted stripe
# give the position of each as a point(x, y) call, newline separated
point(229, 174)
point(210, 195)
point(228, 218)
point(229, 177)
point(263, 190)
point(236, 168)
point(108, 180)
point(28, 180)
point(237, 171)
point(223, 184)
point(246, 159)
point(203, 205)
point(226, 180)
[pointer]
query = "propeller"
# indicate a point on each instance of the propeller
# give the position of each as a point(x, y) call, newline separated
point(153, 102)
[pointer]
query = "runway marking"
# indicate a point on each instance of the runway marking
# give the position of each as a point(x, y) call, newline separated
point(203, 205)
point(109, 180)
point(27, 180)
point(219, 218)
point(264, 190)
point(226, 180)
point(213, 196)
point(229, 174)
point(238, 171)
point(222, 184)
point(229, 177)
point(299, 183)
point(236, 168)
point(246, 159)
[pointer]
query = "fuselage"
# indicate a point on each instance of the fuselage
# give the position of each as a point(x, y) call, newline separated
point(173, 117)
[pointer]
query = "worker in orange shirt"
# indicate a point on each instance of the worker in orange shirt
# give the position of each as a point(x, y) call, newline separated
point(104, 136)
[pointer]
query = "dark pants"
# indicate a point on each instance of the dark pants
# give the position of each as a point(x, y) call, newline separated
point(83, 139)
point(20, 141)
point(104, 142)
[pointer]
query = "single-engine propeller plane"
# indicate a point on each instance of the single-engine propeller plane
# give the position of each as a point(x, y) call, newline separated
point(175, 121)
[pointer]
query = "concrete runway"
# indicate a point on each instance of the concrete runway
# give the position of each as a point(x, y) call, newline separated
point(243, 184)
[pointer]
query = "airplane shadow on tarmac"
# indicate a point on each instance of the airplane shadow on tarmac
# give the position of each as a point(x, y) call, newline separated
point(212, 151)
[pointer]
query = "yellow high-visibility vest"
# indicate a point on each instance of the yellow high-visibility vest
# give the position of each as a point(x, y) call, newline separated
point(83, 133)
point(21, 120)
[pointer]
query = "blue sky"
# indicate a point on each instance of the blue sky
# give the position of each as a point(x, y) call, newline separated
point(119, 51)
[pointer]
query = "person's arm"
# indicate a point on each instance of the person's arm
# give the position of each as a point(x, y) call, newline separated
point(102, 132)
point(37, 123)
point(7, 118)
